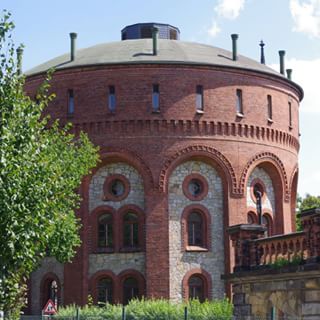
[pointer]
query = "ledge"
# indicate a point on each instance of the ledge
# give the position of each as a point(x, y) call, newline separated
point(196, 249)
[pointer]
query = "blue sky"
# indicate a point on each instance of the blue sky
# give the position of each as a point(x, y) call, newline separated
point(293, 25)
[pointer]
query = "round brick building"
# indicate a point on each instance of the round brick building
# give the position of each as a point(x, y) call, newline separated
point(188, 134)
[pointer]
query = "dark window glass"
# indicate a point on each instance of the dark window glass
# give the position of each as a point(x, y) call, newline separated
point(173, 34)
point(239, 104)
point(196, 288)
point(117, 188)
point(195, 187)
point(112, 98)
point(290, 114)
point(70, 101)
point(266, 223)
point(105, 231)
point(199, 98)
point(250, 218)
point(105, 294)
point(131, 230)
point(269, 98)
point(155, 97)
point(195, 232)
point(130, 290)
point(146, 32)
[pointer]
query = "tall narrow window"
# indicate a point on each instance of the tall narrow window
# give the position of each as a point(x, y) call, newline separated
point(195, 229)
point(267, 223)
point(70, 101)
point(196, 288)
point(112, 99)
point(290, 114)
point(269, 101)
point(105, 231)
point(130, 230)
point(155, 98)
point(130, 290)
point(105, 294)
point(239, 104)
point(199, 99)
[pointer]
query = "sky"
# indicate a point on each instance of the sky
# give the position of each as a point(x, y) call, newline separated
point(292, 25)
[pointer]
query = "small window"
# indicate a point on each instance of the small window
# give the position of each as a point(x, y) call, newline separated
point(70, 101)
point(105, 294)
point(290, 114)
point(130, 230)
point(199, 99)
point(155, 98)
point(105, 231)
point(266, 221)
point(269, 98)
point(130, 290)
point(112, 99)
point(239, 104)
point(196, 288)
point(146, 32)
point(195, 230)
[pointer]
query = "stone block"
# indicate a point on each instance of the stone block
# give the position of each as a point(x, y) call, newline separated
point(311, 308)
point(312, 295)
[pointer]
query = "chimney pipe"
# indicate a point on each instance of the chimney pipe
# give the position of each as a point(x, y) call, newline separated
point(262, 58)
point(73, 37)
point(289, 74)
point(19, 60)
point(155, 32)
point(281, 56)
point(234, 38)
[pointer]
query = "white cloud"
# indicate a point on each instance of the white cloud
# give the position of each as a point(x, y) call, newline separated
point(306, 16)
point(229, 9)
point(306, 73)
point(214, 29)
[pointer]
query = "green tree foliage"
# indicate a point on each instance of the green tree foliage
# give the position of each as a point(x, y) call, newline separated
point(40, 171)
point(308, 202)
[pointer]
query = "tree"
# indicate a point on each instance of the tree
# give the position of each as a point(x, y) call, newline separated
point(41, 168)
point(308, 202)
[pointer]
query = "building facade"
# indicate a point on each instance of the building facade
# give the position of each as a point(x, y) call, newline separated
point(188, 134)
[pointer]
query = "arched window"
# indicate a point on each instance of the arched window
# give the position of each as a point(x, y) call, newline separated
point(50, 290)
point(251, 218)
point(130, 289)
point(195, 230)
point(105, 231)
point(130, 230)
point(105, 291)
point(196, 288)
point(267, 222)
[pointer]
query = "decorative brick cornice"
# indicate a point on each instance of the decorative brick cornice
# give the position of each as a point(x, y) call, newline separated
point(199, 150)
point(175, 128)
point(265, 157)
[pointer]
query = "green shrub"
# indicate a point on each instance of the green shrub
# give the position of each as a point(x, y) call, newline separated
point(148, 309)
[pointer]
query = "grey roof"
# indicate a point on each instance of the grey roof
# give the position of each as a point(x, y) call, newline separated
point(140, 51)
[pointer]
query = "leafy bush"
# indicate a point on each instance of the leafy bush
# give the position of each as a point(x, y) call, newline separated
point(154, 310)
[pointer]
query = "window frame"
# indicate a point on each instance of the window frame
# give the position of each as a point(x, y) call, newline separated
point(112, 289)
point(199, 99)
point(155, 98)
point(106, 247)
point(112, 101)
point(239, 103)
point(71, 102)
point(269, 108)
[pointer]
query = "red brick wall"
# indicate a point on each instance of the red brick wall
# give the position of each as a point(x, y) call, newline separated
point(154, 143)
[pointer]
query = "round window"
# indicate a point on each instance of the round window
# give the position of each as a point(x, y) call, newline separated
point(195, 187)
point(117, 188)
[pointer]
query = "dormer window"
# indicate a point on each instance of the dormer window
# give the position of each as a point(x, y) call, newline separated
point(155, 98)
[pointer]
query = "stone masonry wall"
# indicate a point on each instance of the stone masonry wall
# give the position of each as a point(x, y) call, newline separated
point(116, 262)
point(135, 196)
point(269, 201)
point(181, 262)
point(51, 265)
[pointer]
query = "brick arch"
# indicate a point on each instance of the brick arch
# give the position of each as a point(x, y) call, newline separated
point(125, 274)
point(111, 155)
point(206, 280)
point(46, 279)
point(94, 280)
point(275, 169)
point(275, 162)
point(293, 195)
point(205, 153)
